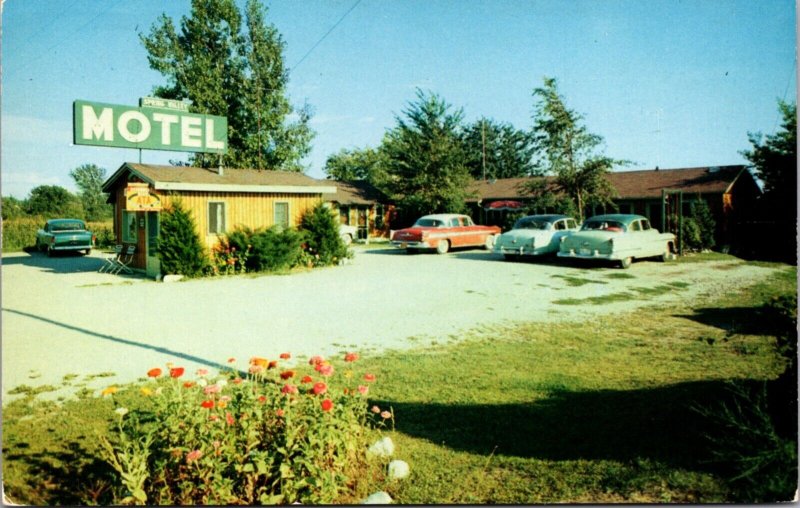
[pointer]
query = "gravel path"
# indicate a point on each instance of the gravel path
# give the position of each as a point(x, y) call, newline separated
point(60, 317)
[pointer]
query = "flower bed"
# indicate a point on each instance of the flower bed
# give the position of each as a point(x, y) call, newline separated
point(265, 435)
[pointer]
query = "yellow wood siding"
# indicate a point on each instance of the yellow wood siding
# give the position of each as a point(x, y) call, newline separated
point(241, 209)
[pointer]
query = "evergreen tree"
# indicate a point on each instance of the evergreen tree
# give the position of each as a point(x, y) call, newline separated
point(232, 67)
point(179, 247)
point(425, 158)
point(498, 150)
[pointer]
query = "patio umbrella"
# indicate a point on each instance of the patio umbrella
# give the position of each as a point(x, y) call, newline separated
point(505, 204)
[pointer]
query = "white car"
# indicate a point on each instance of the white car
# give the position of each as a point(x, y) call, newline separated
point(348, 233)
point(535, 235)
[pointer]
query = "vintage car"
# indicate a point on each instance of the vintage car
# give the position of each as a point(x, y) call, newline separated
point(535, 235)
point(64, 235)
point(443, 232)
point(347, 233)
point(618, 237)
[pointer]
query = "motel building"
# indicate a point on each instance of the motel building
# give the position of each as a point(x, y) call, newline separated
point(219, 200)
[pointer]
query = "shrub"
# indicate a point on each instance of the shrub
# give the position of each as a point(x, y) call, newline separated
point(104, 232)
point(20, 233)
point(271, 435)
point(701, 214)
point(692, 236)
point(323, 242)
point(259, 250)
point(179, 247)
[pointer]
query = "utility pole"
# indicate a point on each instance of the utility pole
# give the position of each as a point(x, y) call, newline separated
point(483, 146)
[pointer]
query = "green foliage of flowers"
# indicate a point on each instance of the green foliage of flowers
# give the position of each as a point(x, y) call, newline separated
point(261, 250)
point(262, 437)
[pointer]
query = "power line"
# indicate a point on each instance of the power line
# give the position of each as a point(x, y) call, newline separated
point(325, 36)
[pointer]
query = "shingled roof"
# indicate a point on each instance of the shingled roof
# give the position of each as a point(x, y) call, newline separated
point(644, 184)
point(355, 193)
point(188, 178)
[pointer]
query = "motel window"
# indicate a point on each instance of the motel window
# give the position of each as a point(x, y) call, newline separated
point(129, 234)
point(282, 215)
point(216, 218)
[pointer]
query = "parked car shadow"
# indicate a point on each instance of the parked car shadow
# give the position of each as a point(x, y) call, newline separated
point(66, 262)
point(660, 424)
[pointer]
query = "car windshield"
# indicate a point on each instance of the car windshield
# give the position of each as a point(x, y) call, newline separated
point(603, 225)
point(429, 223)
point(67, 226)
point(531, 224)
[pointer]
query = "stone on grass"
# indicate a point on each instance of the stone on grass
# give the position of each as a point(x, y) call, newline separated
point(398, 469)
point(380, 497)
point(382, 448)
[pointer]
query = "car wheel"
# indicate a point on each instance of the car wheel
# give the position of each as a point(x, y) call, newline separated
point(626, 262)
point(88, 251)
point(442, 247)
point(489, 243)
point(667, 255)
point(511, 257)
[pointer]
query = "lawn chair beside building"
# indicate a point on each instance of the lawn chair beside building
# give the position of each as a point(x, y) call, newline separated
point(110, 262)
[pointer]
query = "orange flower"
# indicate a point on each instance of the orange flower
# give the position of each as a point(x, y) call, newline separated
point(176, 372)
point(258, 361)
point(306, 379)
point(369, 378)
point(287, 374)
point(327, 405)
point(285, 356)
point(188, 384)
point(279, 413)
point(154, 372)
point(351, 357)
point(108, 391)
point(231, 360)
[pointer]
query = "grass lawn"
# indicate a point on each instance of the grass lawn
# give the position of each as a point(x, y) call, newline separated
point(603, 411)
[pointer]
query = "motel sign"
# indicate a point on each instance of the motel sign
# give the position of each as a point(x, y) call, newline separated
point(154, 126)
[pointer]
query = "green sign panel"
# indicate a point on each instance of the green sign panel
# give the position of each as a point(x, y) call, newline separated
point(151, 128)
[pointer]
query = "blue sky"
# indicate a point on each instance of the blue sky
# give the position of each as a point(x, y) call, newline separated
point(668, 83)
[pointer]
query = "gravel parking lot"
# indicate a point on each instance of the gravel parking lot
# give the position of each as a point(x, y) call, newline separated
point(61, 317)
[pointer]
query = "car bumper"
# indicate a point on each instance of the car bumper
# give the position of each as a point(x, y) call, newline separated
point(588, 254)
point(76, 246)
point(520, 251)
point(411, 245)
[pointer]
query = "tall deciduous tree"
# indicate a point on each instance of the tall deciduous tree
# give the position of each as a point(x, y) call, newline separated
point(233, 67)
point(569, 151)
point(53, 201)
point(89, 179)
point(498, 150)
point(425, 158)
point(774, 159)
point(367, 164)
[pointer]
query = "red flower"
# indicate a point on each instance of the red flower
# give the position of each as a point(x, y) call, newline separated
point(262, 399)
point(320, 388)
point(351, 357)
point(327, 405)
point(287, 374)
point(272, 364)
point(154, 372)
point(287, 388)
point(208, 404)
point(176, 372)
point(369, 378)
point(285, 356)
point(306, 379)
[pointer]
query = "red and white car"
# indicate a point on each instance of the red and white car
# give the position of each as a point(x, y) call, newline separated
point(443, 232)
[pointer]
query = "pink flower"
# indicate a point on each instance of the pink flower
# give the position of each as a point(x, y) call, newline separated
point(202, 372)
point(229, 419)
point(287, 388)
point(320, 388)
point(363, 390)
point(386, 415)
point(326, 370)
point(256, 369)
point(193, 456)
point(327, 405)
point(351, 357)
point(375, 409)
point(237, 380)
point(208, 390)
point(315, 360)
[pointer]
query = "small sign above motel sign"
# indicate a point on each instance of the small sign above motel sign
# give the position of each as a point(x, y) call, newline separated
point(159, 124)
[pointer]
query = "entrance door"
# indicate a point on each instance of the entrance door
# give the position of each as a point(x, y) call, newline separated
point(153, 263)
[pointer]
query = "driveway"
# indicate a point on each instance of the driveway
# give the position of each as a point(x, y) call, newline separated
point(60, 317)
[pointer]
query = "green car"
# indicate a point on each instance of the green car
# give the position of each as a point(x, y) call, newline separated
point(617, 237)
point(64, 235)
